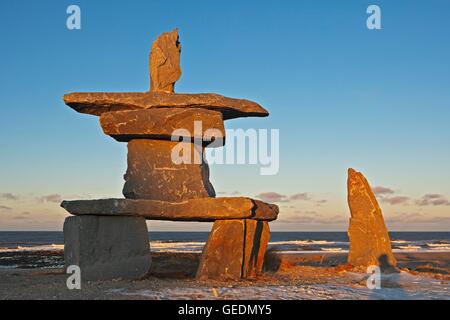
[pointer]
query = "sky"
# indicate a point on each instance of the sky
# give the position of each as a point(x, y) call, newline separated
point(340, 95)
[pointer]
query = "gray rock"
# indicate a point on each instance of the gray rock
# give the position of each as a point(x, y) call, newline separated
point(107, 247)
point(152, 174)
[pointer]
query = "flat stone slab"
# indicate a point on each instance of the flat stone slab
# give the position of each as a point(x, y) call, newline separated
point(107, 248)
point(164, 123)
point(206, 209)
point(96, 103)
point(153, 175)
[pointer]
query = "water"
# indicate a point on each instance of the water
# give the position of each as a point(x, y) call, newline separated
point(194, 241)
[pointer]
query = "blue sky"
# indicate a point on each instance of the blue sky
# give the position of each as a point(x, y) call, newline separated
point(340, 94)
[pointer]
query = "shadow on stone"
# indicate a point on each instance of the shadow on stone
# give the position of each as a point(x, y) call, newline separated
point(385, 265)
point(174, 265)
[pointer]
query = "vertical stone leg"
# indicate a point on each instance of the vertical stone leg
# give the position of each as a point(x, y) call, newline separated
point(257, 235)
point(235, 249)
point(107, 247)
point(222, 255)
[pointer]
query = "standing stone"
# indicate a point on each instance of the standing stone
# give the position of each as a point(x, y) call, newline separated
point(257, 235)
point(153, 175)
point(369, 239)
point(165, 62)
point(107, 247)
point(222, 256)
point(235, 249)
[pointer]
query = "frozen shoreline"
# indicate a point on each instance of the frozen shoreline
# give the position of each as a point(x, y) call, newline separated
point(301, 276)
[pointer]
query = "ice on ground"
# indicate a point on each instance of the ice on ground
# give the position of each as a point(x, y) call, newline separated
point(402, 286)
point(51, 247)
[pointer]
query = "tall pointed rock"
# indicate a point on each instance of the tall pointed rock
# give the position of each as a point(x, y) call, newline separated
point(369, 239)
point(165, 62)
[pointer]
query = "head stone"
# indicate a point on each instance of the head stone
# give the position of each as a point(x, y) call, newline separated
point(165, 62)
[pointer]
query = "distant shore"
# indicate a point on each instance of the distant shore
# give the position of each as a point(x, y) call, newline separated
point(423, 275)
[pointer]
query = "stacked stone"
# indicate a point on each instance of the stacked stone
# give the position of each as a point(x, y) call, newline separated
point(108, 238)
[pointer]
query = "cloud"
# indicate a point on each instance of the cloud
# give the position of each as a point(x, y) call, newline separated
point(23, 216)
point(379, 190)
point(384, 194)
point(416, 217)
point(271, 197)
point(311, 218)
point(433, 199)
point(300, 196)
point(277, 197)
point(57, 198)
point(306, 212)
point(321, 201)
point(301, 219)
point(234, 193)
point(404, 217)
point(5, 208)
point(8, 196)
point(395, 200)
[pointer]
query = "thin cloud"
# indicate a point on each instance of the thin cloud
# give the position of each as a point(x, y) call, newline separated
point(234, 193)
point(300, 196)
point(23, 216)
point(9, 196)
point(385, 195)
point(313, 219)
point(5, 208)
point(433, 199)
point(395, 200)
point(56, 198)
point(379, 190)
point(416, 217)
point(271, 197)
point(277, 197)
point(309, 212)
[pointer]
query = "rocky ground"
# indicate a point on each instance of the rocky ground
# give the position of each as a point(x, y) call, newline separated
point(288, 276)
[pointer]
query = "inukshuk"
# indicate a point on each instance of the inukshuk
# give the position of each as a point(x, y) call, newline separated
point(108, 238)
